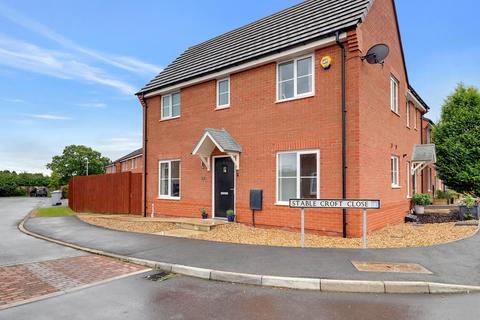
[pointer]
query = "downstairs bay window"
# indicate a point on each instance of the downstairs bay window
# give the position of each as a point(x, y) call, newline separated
point(297, 175)
point(169, 179)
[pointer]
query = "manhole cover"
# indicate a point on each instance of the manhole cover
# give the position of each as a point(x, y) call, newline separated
point(389, 267)
point(161, 276)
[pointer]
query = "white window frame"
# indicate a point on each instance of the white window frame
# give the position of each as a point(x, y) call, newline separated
point(223, 106)
point(407, 114)
point(298, 177)
point(429, 179)
point(124, 166)
point(169, 116)
point(394, 84)
point(169, 179)
point(415, 119)
point(408, 176)
point(394, 175)
point(295, 95)
point(134, 163)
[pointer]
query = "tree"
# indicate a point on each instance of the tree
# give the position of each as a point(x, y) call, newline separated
point(457, 139)
point(8, 184)
point(73, 162)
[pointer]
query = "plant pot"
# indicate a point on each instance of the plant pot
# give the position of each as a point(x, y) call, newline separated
point(231, 218)
point(419, 209)
point(205, 216)
point(463, 210)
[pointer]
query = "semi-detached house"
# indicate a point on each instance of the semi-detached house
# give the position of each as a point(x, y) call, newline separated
point(262, 107)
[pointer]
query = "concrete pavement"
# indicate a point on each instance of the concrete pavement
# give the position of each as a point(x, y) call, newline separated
point(190, 298)
point(454, 263)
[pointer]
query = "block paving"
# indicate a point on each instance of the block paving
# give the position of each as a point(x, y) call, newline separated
point(31, 280)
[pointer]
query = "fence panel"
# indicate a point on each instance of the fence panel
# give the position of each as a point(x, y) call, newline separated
point(107, 193)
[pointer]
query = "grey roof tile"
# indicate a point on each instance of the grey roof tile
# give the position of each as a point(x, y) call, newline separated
point(132, 154)
point(305, 22)
point(424, 152)
point(223, 139)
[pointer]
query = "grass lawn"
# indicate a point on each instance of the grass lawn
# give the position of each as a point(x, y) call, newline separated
point(54, 212)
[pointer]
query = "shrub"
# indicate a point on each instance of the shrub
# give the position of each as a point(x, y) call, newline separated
point(421, 199)
point(442, 194)
point(230, 213)
point(469, 201)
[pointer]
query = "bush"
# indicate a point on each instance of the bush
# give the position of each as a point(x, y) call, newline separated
point(421, 199)
point(469, 201)
point(442, 195)
point(230, 213)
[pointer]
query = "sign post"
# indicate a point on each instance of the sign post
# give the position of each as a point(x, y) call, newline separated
point(337, 204)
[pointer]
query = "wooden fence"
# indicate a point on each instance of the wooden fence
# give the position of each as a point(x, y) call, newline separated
point(107, 193)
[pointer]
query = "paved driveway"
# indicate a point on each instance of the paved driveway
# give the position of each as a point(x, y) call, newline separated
point(16, 247)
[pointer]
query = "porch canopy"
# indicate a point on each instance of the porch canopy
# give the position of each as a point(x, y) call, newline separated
point(423, 155)
point(220, 139)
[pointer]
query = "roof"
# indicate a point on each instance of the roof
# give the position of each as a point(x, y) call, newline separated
point(424, 152)
point(133, 154)
point(305, 22)
point(222, 139)
point(416, 95)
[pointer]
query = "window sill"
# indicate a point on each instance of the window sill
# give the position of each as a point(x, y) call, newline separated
point(396, 187)
point(218, 108)
point(169, 198)
point(282, 204)
point(395, 113)
point(310, 95)
point(172, 118)
point(408, 127)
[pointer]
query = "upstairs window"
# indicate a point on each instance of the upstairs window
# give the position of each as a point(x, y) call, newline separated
point(134, 163)
point(394, 168)
point(295, 78)
point(170, 106)
point(223, 93)
point(407, 114)
point(415, 119)
point(393, 94)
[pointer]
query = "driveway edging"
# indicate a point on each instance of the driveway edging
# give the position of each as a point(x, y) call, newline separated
point(312, 284)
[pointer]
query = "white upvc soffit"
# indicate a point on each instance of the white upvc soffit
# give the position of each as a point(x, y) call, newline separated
point(410, 97)
point(305, 49)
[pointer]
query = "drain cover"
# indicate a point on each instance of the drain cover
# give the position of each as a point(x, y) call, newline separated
point(161, 276)
point(389, 267)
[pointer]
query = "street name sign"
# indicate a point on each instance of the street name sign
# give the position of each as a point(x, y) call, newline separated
point(363, 204)
point(341, 204)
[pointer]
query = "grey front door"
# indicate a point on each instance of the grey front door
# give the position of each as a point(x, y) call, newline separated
point(224, 190)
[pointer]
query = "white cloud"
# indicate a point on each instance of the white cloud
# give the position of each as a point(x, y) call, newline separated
point(48, 117)
point(14, 100)
point(99, 105)
point(122, 62)
point(26, 56)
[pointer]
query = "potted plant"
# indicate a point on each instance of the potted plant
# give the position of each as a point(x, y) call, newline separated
point(420, 200)
point(204, 213)
point(230, 215)
point(469, 209)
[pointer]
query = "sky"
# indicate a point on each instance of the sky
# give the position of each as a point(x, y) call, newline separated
point(69, 69)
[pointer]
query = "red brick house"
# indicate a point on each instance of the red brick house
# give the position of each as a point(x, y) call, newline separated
point(274, 106)
point(131, 162)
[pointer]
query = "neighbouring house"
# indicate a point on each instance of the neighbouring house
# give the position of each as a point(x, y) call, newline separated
point(274, 106)
point(132, 162)
point(431, 183)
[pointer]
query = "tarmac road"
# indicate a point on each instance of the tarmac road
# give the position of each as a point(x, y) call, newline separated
point(190, 298)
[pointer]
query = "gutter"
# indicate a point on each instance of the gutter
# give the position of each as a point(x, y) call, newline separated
point(344, 130)
point(145, 140)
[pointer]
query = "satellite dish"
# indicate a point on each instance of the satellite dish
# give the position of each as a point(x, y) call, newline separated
point(377, 54)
